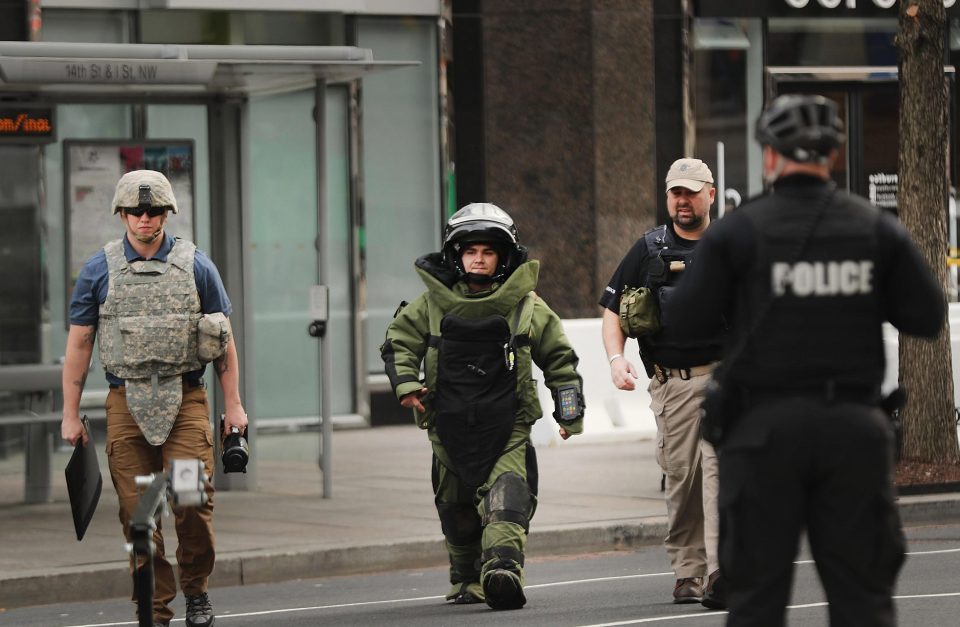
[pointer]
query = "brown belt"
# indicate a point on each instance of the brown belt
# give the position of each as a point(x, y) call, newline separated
point(663, 374)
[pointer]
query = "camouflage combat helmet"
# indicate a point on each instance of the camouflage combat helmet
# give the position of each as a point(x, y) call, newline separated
point(153, 185)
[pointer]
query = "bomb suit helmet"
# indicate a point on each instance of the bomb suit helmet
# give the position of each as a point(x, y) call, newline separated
point(483, 222)
point(802, 127)
point(143, 187)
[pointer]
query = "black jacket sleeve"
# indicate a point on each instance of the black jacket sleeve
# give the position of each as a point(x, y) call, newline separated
point(913, 300)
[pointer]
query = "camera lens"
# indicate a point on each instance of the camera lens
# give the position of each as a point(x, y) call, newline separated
point(235, 453)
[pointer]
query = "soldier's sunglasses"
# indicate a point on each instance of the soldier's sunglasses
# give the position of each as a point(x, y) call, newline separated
point(137, 212)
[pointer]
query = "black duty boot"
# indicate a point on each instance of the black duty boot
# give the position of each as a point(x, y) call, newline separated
point(715, 594)
point(466, 593)
point(199, 610)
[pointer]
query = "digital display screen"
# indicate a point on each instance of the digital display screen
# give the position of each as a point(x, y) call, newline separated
point(27, 125)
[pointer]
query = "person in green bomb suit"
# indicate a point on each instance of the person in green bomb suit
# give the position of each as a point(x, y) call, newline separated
point(478, 329)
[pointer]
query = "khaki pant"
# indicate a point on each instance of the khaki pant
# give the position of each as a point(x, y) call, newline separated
point(690, 466)
point(130, 455)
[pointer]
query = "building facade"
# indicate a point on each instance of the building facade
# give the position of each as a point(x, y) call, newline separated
point(566, 113)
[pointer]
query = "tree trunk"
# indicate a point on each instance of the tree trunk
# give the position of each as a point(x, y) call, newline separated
point(929, 429)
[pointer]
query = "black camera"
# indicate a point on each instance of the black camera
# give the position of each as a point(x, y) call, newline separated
point(236, 452)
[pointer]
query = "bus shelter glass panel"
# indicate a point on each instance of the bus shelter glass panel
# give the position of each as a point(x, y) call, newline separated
point(401, 168)
point(22, 283)
point(80, 121)
point(283, 254)
point(176, 122)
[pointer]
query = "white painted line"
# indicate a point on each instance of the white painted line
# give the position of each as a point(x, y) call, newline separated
point(597, 579)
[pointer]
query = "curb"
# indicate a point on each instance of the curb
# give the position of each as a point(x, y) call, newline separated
point(111, 581)
point(929, 508)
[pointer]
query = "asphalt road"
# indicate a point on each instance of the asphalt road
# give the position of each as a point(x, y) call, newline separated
point(616, 588)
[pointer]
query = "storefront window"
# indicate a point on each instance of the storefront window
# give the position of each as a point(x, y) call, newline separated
point(727, 95)
point(822, 42)
point(85, 26)
point(241, 27)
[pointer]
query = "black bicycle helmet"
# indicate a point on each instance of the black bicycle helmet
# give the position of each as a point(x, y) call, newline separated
point(486, 223)
point(803, 128)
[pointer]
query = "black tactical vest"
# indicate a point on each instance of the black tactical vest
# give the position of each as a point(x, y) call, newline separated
point(824, 324)
point(662, 249)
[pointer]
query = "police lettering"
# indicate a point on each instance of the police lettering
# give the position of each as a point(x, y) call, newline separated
point(822, 278)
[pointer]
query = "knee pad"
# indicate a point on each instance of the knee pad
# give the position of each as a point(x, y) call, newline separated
point(509, 500)
point(460, 523)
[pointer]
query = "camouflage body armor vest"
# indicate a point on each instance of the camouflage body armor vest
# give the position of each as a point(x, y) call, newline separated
point(148, 332)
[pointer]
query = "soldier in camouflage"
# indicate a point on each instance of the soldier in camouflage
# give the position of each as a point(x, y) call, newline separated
point(161, 311)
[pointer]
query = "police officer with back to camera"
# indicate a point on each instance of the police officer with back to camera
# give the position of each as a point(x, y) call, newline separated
point(808, 275)
point(160, 311)
point(678, 366)
point(478, 329)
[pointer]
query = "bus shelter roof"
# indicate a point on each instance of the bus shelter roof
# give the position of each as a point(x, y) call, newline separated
point(103, 69)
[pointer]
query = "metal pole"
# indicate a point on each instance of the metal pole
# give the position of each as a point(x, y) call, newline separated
point(229, 229)
point(721, 180)
point(326, 426)
point(142, 527)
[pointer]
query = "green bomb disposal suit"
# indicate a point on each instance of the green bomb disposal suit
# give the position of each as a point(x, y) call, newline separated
point(481, 404)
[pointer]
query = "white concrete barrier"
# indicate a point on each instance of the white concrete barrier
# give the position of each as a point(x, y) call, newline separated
point(611, 413)
point(615, 414)
point(891, 346)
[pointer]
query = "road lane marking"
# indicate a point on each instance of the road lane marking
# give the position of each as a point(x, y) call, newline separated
point(597, 579)
point(933, 552)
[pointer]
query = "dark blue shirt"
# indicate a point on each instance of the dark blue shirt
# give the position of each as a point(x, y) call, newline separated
point(90, 290)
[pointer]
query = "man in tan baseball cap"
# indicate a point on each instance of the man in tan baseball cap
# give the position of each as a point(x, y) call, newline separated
point(690, 192)
point(678, 369)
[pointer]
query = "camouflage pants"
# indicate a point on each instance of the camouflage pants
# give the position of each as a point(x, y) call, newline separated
point(130, 455)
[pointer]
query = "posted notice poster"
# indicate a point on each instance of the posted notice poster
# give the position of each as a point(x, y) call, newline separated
point(92, 169)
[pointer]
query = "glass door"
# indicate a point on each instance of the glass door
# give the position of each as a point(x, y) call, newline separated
point(868, 160)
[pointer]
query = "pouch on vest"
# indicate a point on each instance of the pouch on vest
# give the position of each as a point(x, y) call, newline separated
point(213, 334)
point(475, 404)
point(639, 312)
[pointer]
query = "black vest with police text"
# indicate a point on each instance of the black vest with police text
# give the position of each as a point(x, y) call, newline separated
point(825, 321)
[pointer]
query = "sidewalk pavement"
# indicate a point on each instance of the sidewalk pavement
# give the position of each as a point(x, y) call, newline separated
point(596, 494)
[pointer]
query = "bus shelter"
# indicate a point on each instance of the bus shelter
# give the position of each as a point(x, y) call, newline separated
point(38, 78)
